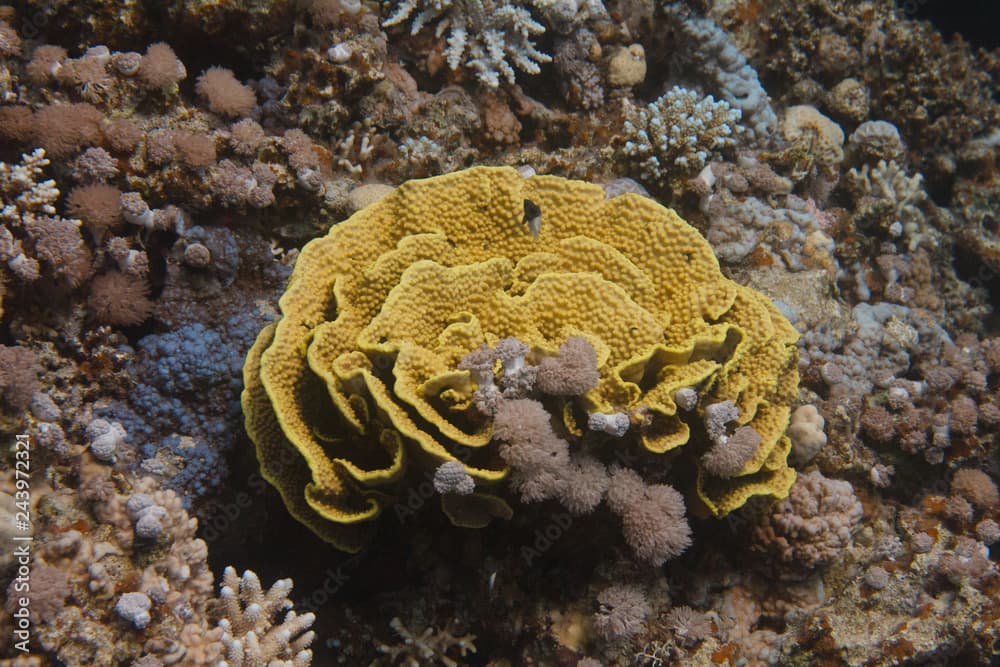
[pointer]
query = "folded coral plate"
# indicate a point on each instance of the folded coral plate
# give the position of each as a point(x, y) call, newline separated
point(358, 383)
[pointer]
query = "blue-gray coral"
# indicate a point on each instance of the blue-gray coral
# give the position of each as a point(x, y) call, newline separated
point(710, 51)
point(183, 411)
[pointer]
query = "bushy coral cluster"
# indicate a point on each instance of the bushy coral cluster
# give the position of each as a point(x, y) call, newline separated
point(542, 466)
point(120, 578)
point(253, 631)
point(623, 609)
point(675, 136)
point(489, 40)
point(945, 403)
point(33, 238)
point(888, 197)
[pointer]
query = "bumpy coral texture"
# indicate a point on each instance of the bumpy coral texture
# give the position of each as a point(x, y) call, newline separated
point(360, 377)
point(813, 525)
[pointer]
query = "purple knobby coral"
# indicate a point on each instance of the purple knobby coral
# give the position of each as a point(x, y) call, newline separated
point(812, 525)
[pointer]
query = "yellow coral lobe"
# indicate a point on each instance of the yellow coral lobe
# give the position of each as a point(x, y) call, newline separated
point(359, 381)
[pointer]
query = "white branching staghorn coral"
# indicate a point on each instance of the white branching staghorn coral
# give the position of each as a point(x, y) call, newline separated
point(31, 233)
point(250, 631)
point(491, 38)
point(24, 188)
point(675, 135)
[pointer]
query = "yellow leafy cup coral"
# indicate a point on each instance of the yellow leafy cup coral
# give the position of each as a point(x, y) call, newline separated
point(359, 380)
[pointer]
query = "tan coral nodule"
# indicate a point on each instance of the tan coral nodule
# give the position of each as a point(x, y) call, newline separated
point(359, 380)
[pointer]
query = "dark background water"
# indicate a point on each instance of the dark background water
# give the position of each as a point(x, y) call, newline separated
point(976, 21)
